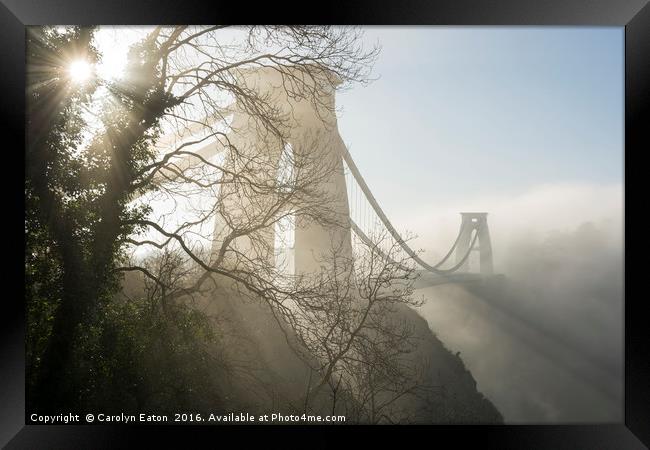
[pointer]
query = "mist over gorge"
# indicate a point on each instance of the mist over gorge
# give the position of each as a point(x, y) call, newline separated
point(547, 346)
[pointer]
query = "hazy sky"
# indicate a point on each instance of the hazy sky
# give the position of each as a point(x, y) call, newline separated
point(523, 122)
point(466, 112)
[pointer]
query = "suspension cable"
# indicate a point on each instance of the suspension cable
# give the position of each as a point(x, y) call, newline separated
point(365, 239)
point(389, 226)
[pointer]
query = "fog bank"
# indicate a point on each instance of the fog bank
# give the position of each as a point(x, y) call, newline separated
point(548, 345)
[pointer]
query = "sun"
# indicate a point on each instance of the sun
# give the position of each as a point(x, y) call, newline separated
point(80, 71)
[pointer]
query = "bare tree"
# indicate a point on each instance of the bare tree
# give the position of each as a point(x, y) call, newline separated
point(206, 156)
point(349, 326)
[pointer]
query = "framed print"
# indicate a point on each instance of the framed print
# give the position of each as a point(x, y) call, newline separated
point(396, 220)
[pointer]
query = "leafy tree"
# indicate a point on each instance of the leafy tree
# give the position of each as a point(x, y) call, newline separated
point(56, 198)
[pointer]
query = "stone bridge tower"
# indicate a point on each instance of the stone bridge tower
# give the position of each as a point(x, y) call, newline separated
point(475, 221)
point(310, 129)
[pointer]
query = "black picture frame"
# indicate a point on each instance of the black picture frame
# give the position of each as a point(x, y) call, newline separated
point(634, 15)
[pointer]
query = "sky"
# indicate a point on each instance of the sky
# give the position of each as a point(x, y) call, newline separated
point(460, 113)
point(464, 112)
point(525, 123)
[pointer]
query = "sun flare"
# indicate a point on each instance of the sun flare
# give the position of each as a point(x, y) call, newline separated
point(80, 71)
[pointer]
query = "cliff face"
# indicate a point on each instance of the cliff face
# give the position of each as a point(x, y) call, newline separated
point(454, 398)
point(269, 377)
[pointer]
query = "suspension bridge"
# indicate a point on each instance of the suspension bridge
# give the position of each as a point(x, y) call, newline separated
point(454, 267)
point(354, 202)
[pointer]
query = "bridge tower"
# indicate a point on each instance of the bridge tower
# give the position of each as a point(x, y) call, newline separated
point(475, 221)
point(311, 126)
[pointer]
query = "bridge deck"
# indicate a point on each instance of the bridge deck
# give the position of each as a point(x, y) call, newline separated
point(428, 279)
